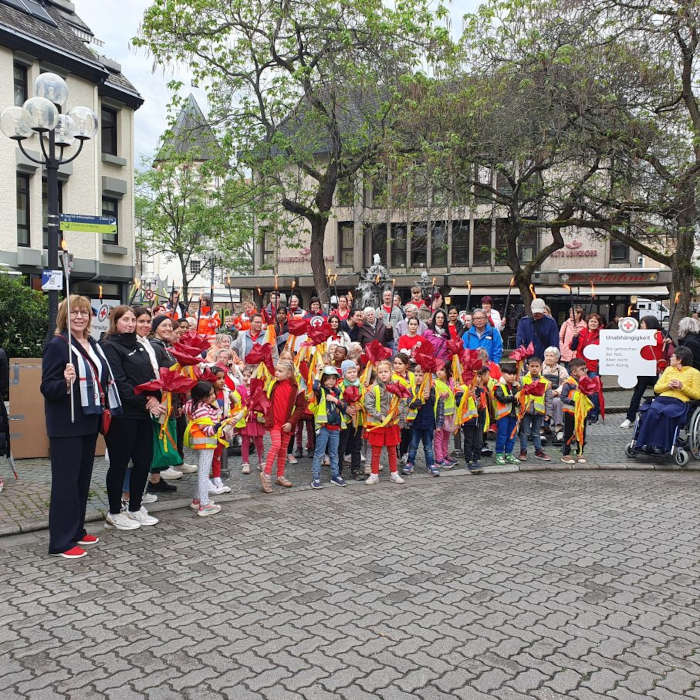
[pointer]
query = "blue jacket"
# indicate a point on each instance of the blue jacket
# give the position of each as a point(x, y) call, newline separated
point(542, 334)
point(425, 416)
point(490, 340)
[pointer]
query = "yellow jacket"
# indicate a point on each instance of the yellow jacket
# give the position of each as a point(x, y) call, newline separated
point(690, 378)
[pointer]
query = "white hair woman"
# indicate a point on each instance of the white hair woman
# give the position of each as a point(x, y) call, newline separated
point(689, 337)
point(556, 373)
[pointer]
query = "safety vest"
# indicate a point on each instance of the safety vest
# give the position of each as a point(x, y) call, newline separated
point(195, 437)
point(536, 401)
point(359, 416)
point(390, 418)
point(409, 381)
point(443, 391)
point(208, 323)
point(320, 411)
point(468, 409)
point(237, 404)
point(502, 409)
point(568, 386)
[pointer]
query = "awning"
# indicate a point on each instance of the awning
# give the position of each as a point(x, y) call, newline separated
point(578, 291)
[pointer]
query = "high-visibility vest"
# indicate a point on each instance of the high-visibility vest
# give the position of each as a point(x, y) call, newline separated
point(195, 437)
point(409, 381)
point(468, 410)
point(208, 323)
point(443, 390)
point(536, 401)
point(359, 417)
point(320, 411)
point(502, 409)
point(237, 403)
point(568, 386)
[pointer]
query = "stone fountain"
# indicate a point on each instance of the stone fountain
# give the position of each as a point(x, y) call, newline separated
point(372, 283)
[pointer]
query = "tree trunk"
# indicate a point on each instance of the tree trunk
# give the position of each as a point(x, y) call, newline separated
point(318, 264)
point(185, 285)
point(682, 278)
point(522, 281)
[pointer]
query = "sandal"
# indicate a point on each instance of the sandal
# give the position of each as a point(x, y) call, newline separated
point(284, 481)
point(581, 460)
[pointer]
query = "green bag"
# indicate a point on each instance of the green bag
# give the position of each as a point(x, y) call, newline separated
point(165, 452)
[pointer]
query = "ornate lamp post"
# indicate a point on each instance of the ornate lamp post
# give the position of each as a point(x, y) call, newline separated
point(57, 132)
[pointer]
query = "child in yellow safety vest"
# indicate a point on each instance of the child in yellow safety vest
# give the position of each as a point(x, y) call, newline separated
point(535, 407)
point(570, 395)
point(506, 408)
point(445, 417)
point(328, 419)
point(425, 407)
point(204, 425)
point(352, 392)
point(473, 413)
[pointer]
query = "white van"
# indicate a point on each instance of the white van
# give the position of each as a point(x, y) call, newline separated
point(650, 307)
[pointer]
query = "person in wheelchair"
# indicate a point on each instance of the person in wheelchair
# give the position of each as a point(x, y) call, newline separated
point(679, 384)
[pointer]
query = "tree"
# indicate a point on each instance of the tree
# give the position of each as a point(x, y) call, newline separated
point(193, 211)
point(304, 92)
point(24, 314)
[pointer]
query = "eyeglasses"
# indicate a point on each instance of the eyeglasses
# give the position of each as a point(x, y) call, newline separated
point(79, 313)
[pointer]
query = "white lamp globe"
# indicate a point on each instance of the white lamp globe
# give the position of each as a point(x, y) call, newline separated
point(64, 131)
point(16, 123)
point(51, 87)
point(84, 123)
point(42, 113)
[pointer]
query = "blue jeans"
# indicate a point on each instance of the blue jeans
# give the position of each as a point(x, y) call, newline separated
point(426, 436)
point(504, 427)
point(593, 413)
point(530, 426)
point(330, 439)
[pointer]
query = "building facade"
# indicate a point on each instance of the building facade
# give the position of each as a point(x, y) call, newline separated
point(49, 36)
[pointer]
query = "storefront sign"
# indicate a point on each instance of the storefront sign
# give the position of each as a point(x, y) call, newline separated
point(611, 277)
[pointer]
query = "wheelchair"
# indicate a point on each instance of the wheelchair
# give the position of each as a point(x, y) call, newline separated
point(685, 441)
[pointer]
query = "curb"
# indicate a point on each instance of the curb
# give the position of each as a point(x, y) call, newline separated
point(177, 503)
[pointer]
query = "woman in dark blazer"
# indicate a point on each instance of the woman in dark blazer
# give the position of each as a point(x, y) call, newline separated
point(131, 434)
point(72, 443)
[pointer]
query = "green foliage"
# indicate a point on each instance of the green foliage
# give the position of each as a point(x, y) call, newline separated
point(24, 313)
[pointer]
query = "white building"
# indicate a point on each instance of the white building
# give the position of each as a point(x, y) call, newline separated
point(38, 37)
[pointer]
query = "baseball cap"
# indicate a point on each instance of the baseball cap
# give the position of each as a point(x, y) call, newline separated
point(537, 306)
point(329, 370)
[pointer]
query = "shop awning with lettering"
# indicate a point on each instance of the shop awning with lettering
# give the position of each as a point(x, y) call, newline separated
point(578, 290)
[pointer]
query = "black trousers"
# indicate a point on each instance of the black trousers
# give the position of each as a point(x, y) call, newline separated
point(569, 439)
point(472, 433)
point(642, 384)
point(128, 439)
point(181, 424)
point(405, 443)
point(350, 443)
point(71, 470)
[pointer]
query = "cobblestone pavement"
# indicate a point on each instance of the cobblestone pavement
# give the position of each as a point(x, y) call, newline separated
point(531, 585)
point(24, 503)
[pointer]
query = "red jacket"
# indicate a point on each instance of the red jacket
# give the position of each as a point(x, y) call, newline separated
point(297, 406)
point(587, 337)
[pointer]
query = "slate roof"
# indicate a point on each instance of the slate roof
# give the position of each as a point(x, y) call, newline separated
point(191, 135)
point(61, 46)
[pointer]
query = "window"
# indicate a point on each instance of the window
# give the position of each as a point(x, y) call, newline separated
point(482, 242)
point(438, 244)
point(23, 237)
point(399, 238)
point(503, 232)
point(376, 235)
point(21, 89)
point(345, 193)
point(268, 248)
point(108, 125)
point(619, 252)
point(45, 210)
point(419, 244)
point(460, 243)
point(346, 243)
point(527, 244)
point(110, 207)
point(195, 267)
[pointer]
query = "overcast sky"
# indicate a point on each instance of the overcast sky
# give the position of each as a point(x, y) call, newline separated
point(115, 22)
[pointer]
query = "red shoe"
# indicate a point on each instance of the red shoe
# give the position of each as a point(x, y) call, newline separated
point(88, 539)
point(72, 553)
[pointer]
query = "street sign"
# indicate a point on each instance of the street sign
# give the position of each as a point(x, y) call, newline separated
point(52, 280)
point(88, 224)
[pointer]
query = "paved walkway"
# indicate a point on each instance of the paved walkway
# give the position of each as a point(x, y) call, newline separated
point(541, 585)
point(24, 503)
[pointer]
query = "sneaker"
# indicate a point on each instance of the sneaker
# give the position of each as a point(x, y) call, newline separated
point(523, 455)
point(408, 469)
point(627, 423)
point(359, 476)
point(187, 468)
point(72, 553)
point(161, 486)
point(316, 484)
point(568, 459)
point(292, 459)
point(209, 509)
point(88, 540)
point(541, 455)
point(486, 452)
point(512, 459)
point(500, 459)
point(149, 498)
point(372, 479)
point(404, 459)
point(265, 483)
point(338, 481)
point(212, 487)
point(446, 464)
point(396, 478)
point(121, 521)
point(475, 468)
point(245, 468)
point(142, 517)
point(433, 471)
point(195, 505)
point(221, 485)
point(347, 459)
point(170, 474)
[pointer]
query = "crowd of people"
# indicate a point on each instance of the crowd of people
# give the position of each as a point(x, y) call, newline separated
point(360, 382)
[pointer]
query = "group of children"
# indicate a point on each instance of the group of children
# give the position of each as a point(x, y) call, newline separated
point(399, 410)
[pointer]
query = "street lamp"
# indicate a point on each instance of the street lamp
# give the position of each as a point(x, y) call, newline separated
point(56, 132)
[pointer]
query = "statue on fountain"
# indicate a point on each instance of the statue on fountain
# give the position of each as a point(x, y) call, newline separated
point(372, 283)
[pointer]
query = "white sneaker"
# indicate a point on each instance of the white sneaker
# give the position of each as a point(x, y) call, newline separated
point(209, 509)
point(170, 474)
point(221, 485)
point(187, 468)
point(245, 468)
point(212, 487)
point(394, 476)
point(291, 459)
point(121, 522)
point(149, 498)
point(627, 423)
point(372, 479)
point(142, 517)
